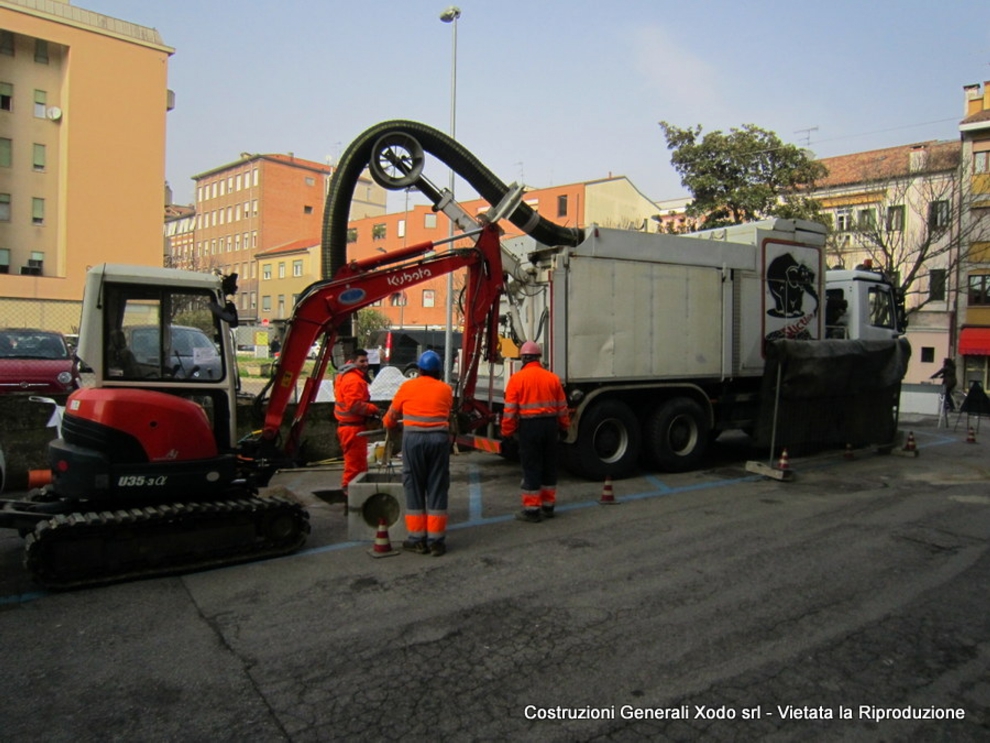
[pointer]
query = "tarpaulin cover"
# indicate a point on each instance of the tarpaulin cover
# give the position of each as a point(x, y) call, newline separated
point(832, 392)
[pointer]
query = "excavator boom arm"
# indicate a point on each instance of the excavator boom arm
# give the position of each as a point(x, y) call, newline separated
point(325, 305)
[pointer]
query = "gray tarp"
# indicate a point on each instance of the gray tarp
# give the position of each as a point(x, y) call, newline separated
point(832, 392)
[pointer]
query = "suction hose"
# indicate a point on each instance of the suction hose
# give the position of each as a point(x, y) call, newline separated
point(357, 156)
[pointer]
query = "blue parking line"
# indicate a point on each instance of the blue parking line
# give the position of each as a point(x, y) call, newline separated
point(22, 598)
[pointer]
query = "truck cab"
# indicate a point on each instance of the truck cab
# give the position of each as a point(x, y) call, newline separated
point(861, 304)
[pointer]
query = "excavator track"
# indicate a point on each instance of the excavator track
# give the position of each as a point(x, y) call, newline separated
point(99, 547)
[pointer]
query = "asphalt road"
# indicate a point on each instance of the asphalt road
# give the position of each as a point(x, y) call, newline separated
point(713, 605)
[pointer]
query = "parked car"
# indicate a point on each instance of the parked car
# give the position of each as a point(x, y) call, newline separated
point(401, 347)
point(37, 362)
point(192, 354)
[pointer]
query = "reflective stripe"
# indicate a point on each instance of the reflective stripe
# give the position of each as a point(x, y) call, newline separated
point(416, 524)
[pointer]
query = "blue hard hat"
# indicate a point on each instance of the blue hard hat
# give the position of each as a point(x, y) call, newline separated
point(429, 361)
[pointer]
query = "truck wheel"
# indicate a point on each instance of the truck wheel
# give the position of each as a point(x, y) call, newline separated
point(608, 442)
point(677, 435)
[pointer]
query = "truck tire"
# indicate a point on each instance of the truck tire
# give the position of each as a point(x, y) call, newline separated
point(608, 442)
point(677, 435)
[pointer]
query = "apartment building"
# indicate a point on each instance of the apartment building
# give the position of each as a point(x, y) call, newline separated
point(974, 301)
point(257, 203)
point(283, 272)
point(77, 90)
point(893, 209)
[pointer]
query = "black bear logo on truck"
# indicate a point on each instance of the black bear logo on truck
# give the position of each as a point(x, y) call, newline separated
point(788, 281)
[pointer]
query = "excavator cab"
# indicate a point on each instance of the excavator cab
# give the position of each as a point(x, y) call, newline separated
point(161, 410)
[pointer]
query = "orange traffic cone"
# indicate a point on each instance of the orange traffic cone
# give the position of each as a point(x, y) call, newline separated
point(971, 436)
point(608, 497)
point(39, 478)
point(910, 444)
point(849, 452)
point(383, 545)
point(784, 463)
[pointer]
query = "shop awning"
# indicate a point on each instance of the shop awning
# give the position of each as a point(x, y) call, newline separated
point(974, 342)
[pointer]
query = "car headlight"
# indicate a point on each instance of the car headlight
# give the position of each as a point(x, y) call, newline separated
point(64, 377)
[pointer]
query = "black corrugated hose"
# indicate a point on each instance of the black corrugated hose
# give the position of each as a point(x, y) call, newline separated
point(357, 156)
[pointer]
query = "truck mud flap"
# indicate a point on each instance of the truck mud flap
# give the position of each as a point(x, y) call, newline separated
point(831, 393)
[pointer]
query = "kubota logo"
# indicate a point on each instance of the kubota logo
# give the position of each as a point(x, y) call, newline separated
point(409, 277)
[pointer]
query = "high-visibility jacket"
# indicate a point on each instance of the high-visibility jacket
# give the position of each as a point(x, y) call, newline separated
point(423, 403)
point(534, 392)
point(352, 399)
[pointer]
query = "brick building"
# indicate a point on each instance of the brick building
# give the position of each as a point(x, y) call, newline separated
point(254, 204)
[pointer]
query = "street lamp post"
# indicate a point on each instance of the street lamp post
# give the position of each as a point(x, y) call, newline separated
point(450, 15)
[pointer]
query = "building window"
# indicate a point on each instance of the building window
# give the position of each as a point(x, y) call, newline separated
point(867, 219)
point(41, 51)
point(281, 269)
point(39, 157)
point(6, 97)
point(310, 181)
point(6, 152)
point(562, 206)
point(844, 220)
point(429, 298)
point(40, 104)
point(37, 211)
point(266, 272)
point(938, 215)
point(4, 207)
point(266, 303)
point(4, 260)
point(281, 305)
point(237, 182)
point(254, 295)
point(978, 286)
point(895, 218)
point(35, 265)
point(398, 299)
point(378, 231)
point(297, 268)
point(981, 162)
point(936, 285)
point(430, 220)
point(927, 354)
point(307, 210)
point(352, 235)
point(401, 229)
point(7, 43)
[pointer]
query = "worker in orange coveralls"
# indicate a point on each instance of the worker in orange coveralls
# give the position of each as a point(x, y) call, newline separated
point(424, 405)
point(352, 409)
point(536, 409)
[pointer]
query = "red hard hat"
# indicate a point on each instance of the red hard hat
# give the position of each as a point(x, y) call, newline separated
point(530, 348)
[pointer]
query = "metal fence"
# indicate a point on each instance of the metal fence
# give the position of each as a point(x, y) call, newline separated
point(42, 314)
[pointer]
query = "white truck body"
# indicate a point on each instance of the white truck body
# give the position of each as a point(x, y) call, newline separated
point(660, 340)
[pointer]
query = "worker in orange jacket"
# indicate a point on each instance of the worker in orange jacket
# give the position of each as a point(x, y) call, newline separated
point(536, 410)
point(353, 409)
point(424, 404)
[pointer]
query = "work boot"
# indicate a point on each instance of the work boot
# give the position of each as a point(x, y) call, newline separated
point(547, 512)
point(416, 545)
point(530, 515)
point(438, 548)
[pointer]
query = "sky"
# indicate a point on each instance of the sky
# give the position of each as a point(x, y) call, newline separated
point(551, 92)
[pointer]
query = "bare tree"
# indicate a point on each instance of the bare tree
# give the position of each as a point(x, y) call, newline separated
point(909, 220)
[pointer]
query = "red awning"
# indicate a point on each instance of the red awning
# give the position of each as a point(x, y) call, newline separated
point(974, 342)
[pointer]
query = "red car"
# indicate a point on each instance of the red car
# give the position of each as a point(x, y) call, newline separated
point(37, 362)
